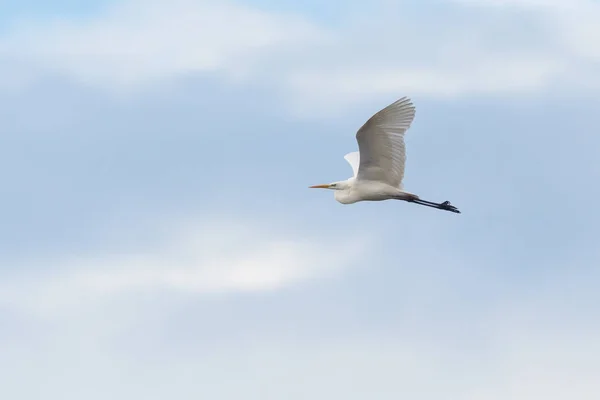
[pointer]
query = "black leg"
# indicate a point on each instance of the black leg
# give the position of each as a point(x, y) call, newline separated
point(441, 206)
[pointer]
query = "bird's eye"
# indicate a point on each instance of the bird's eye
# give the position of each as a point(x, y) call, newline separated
point(333, 185)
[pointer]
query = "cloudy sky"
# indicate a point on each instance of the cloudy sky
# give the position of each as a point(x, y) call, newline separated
point(158, 239)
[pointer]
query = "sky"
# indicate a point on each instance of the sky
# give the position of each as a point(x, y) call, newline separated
point(159, 240)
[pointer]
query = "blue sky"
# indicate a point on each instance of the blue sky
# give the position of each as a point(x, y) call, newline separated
point(159, 240)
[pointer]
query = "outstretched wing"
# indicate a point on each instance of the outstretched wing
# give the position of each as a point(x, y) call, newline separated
point(381, 143)
point(354, 160)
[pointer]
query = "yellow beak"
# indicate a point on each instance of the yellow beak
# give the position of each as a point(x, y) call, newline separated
point(318, 187)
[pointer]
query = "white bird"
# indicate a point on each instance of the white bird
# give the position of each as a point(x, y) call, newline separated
point(378, 166)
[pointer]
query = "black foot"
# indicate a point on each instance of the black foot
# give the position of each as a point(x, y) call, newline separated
point(449, 207)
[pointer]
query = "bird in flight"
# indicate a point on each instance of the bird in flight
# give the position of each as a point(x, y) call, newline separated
point(378, 166)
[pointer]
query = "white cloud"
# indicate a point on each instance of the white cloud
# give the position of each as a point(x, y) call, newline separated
point(409, 367)
point(141, 41)
point(538, 341)
point(484, 48)
point(207, 258)
point(526, 4)
point(527, 49)
point(507, 352)
point(572, 25)
point(348, 86)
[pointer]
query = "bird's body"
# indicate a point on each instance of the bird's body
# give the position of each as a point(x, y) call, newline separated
point(360, 190)
point(378, 166)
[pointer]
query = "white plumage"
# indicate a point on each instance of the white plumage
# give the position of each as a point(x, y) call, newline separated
point(378, 166)
point(354, 160)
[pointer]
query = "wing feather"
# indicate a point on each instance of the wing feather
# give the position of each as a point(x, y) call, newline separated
point(354, 161)
point(381, 143)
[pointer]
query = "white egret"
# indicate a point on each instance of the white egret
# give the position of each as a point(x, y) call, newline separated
point(378, 166)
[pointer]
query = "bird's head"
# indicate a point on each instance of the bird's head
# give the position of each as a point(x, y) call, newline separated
point(333, 186)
